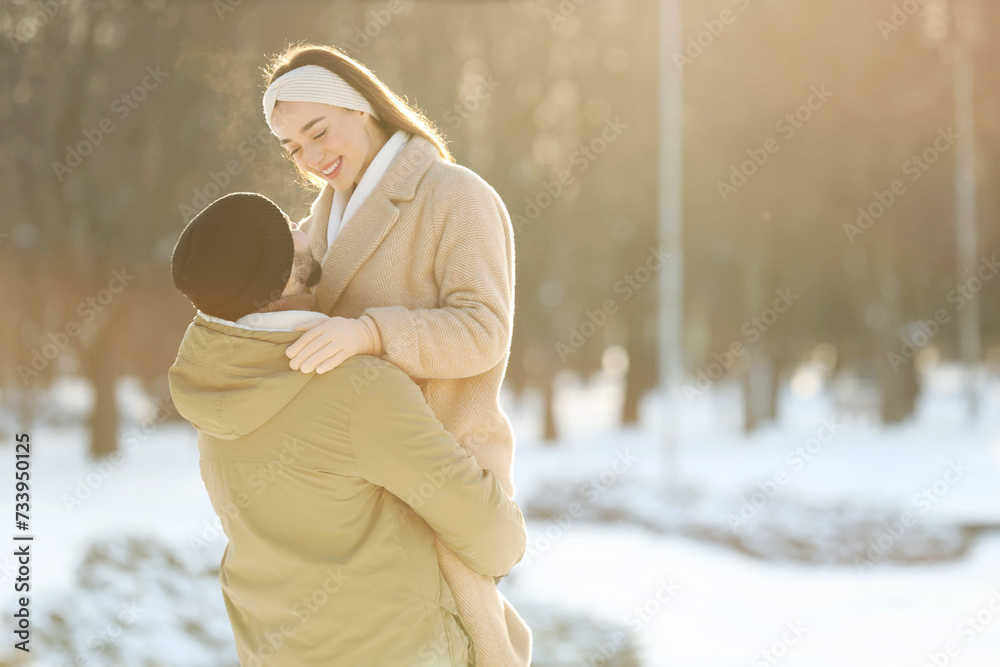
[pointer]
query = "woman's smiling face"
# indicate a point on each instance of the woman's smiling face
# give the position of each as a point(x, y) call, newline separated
point(331, 142)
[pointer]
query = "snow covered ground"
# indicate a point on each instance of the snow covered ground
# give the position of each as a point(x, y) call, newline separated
point(683, 601)
point(725, 609)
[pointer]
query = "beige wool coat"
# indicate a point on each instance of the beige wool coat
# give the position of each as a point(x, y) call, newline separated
point(429, 256)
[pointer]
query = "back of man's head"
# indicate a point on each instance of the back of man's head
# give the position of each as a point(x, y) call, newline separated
point(234, 257)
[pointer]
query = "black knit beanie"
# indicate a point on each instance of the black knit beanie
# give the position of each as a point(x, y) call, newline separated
point(234, 257)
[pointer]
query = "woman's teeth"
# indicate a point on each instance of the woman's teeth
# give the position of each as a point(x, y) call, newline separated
point(327, 172)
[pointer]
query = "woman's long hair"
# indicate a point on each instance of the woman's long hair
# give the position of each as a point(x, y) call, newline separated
point(394, 113)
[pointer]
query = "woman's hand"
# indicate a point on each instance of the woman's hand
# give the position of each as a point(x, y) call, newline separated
point(327, 342)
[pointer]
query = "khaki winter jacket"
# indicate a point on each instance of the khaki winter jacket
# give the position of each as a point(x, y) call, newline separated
point(311, 475)
point(429, 256)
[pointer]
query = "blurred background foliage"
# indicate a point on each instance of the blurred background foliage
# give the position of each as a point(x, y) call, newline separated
point(119, 119)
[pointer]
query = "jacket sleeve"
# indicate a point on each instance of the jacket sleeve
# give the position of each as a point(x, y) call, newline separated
point(469, 333)
point(400, 445)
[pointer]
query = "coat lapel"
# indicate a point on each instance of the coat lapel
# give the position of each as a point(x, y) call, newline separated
point(370, 224)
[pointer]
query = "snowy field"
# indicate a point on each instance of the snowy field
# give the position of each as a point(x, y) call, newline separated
point(725, 609)
point(678, 600)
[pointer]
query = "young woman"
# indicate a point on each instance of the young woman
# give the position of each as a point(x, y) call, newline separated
point(418, 269)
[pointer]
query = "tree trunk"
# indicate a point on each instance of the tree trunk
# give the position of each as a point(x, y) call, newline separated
point(550, 433)
point(99, 368)
point(749, 396)
point(643, 369)
point(898, 382)
point(758, 391)
point(772, 396)
point(899, 391)
point(630, 406)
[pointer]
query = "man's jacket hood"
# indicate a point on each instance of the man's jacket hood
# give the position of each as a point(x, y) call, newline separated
point(229, 381)
point(337, 484)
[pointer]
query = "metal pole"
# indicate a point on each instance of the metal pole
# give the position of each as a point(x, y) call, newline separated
point(671, 367)
point(965, 200)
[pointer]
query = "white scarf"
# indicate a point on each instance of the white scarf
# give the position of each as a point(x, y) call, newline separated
point(344, 204)
point(279, 320)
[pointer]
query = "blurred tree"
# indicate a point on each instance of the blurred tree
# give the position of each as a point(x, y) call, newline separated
point(83, 202)
point(82, 136)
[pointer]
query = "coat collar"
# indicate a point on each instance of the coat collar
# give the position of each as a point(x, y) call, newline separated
point(366, 229)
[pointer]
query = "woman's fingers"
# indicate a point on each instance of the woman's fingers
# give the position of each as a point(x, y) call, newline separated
point(298, 362)
point(305, 339)
point(325, 345)
point(312, 330)
point(321, 355)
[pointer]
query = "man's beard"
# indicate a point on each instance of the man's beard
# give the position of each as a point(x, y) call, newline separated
point(307, 270)
point(315, 274)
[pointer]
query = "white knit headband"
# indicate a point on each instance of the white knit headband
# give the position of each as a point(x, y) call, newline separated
point(313, 83)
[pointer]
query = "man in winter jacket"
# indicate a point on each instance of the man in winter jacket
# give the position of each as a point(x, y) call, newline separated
point(329, 487)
